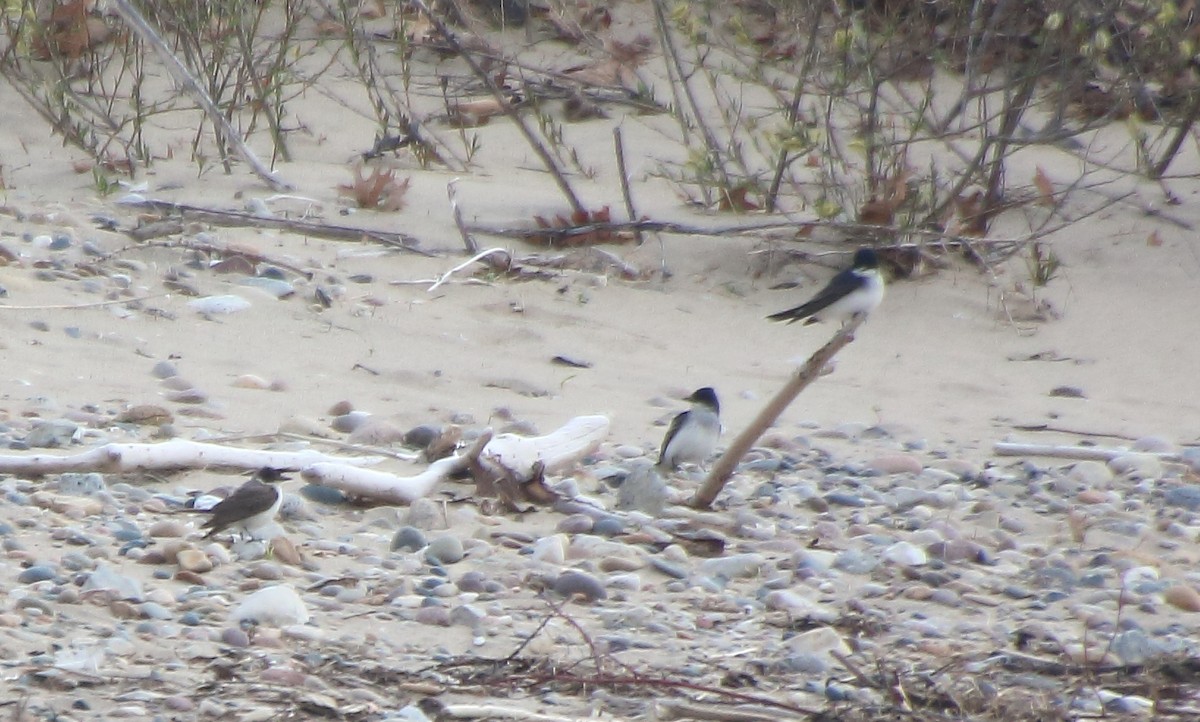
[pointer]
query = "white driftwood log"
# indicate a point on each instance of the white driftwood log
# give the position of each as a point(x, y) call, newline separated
point(379, 485)
point(485, 711)
point(173, 454)
point(1087, 453)
point(510, 454)
point(557, 451)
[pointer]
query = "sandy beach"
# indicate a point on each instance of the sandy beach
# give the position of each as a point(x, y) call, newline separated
point(889, 457)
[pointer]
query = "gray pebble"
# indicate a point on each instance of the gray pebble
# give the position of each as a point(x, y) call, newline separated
point(164, 370)
point(1187, 497)
point(575, 524)
point(643, 490)
point(36, 573)
point(408, 539)
point(445, 549)
point(853, 561)
point(577, 584)
point(423, 514)
point(323, 494)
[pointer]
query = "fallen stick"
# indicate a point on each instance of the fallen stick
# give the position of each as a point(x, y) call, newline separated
point(802, 377)
point(489, 711)
point(465, 264)
point(557, 451)
point(381, 486)
point(168, 455)
point(505, 454)
point(1083, 453)
point(394, 239)
point(674, 709)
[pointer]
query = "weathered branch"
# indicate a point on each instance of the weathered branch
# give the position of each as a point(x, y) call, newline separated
point(168, 455)
point(1084, 453)
point(800, 380)
point(241, 219)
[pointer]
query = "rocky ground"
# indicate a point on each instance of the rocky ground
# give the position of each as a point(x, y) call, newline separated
point(848, 571)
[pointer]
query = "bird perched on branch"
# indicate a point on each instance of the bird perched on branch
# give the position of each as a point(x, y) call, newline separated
point(853, 291)
point(693, 434)
point(251, 508)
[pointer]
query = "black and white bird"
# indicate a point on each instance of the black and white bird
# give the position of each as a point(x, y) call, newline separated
point(856, 290)
point(251, 508)
point(693, 434)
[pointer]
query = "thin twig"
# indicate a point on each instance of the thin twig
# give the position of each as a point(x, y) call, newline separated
point(508, 107)
point(623, 174)
point(456, 212)
point(465, 264)
point(74, 306)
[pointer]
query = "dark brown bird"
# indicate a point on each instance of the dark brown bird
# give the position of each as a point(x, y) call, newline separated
point(251, 507)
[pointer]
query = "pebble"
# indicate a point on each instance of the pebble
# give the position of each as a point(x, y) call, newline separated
point(1183, 596)
point(643, 490)
point(423, 514)
point(218, 305)
point(896, 464)
point(1137, 466)
point(551, 549)
point(36, 573)
point(194, 560)
point(574, 584)
point(906, 554)
point(408, 539)
point(277, 606)
point(444, 549)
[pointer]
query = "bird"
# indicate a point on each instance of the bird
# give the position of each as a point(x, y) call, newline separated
point(853, 291)
point(693, 434)
point(251, 508)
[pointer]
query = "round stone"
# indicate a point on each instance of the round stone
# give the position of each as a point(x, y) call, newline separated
point(445, 549)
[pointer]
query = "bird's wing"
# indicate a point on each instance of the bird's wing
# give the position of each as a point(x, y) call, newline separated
point(838, 287)
point(251, 498)
point(676, 425)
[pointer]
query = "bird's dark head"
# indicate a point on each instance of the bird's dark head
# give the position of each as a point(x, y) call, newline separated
point(271, 475)
point(705, 397)
point(865, 258)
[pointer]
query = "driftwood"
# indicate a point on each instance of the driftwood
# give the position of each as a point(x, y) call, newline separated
point(803, 376)
point(169, 455)
point(242, 219)
point(1084, 453)
point(500, 461)
point(492, 711)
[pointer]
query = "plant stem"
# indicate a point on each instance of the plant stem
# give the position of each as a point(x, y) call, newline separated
point(537, 146)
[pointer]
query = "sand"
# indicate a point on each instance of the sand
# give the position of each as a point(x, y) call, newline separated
point(940, 362)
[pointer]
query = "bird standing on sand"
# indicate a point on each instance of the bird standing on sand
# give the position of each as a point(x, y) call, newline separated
point(693, 434)
point(251, 508)
point(856, 290)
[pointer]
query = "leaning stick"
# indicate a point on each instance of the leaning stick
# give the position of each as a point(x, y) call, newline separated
point(803, 376)
point(142, 27)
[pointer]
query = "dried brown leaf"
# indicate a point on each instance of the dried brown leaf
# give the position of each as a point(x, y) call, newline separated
point(1045, 188)
point(380, 190)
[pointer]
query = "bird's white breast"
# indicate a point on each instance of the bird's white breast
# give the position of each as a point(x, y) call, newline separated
point(861, 300)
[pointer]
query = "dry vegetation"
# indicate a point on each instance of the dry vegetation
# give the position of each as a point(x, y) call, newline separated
point(886, 119)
